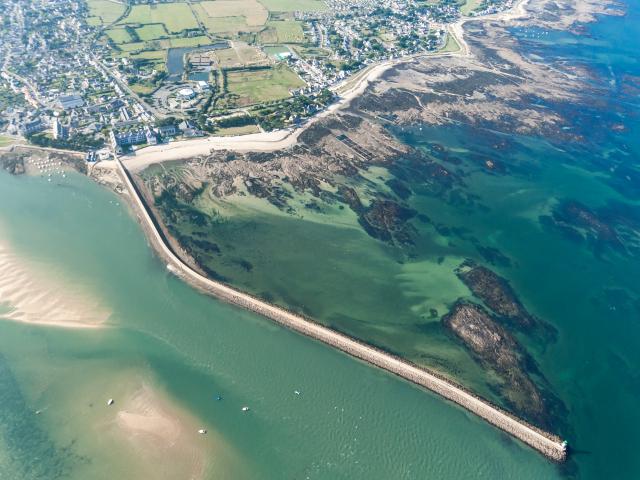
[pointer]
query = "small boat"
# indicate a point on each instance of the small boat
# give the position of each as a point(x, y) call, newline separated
point(202, 431)
point(218, 398)
point(110, 402)
point(297, 392)
point(245, 409)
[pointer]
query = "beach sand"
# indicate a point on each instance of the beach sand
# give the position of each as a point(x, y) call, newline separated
point(36, 294)
point(162, 437)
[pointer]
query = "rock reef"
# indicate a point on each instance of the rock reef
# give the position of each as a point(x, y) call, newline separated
point(498, 350)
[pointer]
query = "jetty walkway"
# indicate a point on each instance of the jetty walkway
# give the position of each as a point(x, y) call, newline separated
point(549, 445)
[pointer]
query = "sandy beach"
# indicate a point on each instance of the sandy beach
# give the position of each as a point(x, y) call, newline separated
point(255, 142)
point(30, 294)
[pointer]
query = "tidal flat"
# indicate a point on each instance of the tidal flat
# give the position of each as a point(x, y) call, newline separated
point(528, 169)
point(533, 176)
point(349, 420)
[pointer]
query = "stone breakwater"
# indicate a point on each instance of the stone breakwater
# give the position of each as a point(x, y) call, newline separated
point(549, 445)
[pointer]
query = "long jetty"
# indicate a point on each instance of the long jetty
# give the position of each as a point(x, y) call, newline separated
point(548, 444)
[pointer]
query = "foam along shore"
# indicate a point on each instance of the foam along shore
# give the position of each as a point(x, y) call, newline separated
point(29, 294)
point(546, 443)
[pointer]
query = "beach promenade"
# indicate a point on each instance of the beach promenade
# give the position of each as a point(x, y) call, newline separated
point(546, 443)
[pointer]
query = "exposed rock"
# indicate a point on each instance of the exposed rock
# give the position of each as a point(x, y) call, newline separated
point(496, 293)
point(495, 348)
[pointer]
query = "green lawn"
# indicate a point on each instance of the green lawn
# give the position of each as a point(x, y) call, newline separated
point(274, 50)
point(287, 31)
point(151, 32)
point(176, 17)
point(230, 131)
point(294, 5)
point(257, 86)
point(142, 88)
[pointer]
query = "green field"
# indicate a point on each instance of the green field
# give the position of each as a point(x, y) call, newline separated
point(187, 42)
point(151, 32)
point(118, 35)
point(230, 131)
point(469, 6)
point(294, 5)
point(176, 17)
point(451, 45)
point(273, 50)
point(226, 24)
point(151, 55)
point(104, 11)
point(4, 141)
point(131, 47)
point(257, 86)
point(142, 88)
point(287, 31)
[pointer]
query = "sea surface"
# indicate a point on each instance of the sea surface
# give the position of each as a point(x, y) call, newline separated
point(349, 420)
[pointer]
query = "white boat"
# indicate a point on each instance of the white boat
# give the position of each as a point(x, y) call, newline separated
point(297, 392)
point(202, 431)
point(110, 402)
point(245, 409)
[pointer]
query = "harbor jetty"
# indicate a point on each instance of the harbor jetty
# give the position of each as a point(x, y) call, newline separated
point(548, 444)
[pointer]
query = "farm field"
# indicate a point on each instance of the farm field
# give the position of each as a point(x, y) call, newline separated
point(254, 13)
point(287, 31)
point(265, 85)
point(176, 17)
point(103, 12)
point(152, 31)
point(294, 5)
point(229, 25)
point(131, 47)
point(118, 35)
point(151, 55)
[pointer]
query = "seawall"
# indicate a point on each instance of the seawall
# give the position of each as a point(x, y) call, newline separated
point(549, 445)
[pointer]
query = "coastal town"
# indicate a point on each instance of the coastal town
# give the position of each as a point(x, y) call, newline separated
point(102, 76)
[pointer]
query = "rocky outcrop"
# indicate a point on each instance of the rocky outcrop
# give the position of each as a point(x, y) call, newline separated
point(496, 349)
point(497, 294)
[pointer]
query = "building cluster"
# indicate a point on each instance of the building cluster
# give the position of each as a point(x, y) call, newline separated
point(60, 86)
point(70, 97)
point(358, 33)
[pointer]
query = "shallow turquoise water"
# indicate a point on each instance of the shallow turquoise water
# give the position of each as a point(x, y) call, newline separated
point(350, 421)
point(588, 291)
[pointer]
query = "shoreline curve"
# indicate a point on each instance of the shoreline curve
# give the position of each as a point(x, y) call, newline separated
point(544, 442)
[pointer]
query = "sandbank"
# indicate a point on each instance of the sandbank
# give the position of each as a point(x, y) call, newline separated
point(32, 294)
